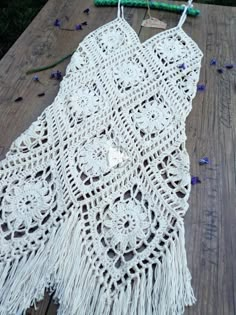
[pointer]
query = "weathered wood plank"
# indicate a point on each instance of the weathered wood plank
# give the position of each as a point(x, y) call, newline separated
point(211, 126)
point(52, 309)
point(211, 220)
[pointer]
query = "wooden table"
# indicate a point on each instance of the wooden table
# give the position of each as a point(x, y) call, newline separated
point(211, 129)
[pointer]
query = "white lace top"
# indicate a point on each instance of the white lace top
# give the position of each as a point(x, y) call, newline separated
point(93, 194)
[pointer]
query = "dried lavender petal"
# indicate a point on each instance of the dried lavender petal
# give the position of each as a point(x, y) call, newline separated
point(203, 161)
point(229, 66)
point(18, 99)
point(201, 87)
point(195, 180)
point(52, 75)
point(86, 11)
point(56, 75)
point(41, 94)
point(36, 78)
point(57, 23)
point(182, 66)
point(220, 70)
point(213, 62)
point(78, 27)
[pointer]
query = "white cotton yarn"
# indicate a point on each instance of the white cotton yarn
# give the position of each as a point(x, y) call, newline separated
point(93, 194)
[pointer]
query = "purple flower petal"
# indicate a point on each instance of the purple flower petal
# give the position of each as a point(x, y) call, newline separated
point(195, 180)
point(229, 66)
point(52, 75)
point(78, 27)
point(41, 94)
point(36, 78)
point(57, 23)
point(213, 62)
point(182, 66)
point(201, 87)
point(203, 161)
point(56, 75)
point(86, 11)
point(220, 70)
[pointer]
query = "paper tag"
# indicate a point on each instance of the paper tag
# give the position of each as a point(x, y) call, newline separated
point(153, 22)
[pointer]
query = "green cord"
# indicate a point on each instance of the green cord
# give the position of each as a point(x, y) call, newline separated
point(49, 66)
point(152, 4)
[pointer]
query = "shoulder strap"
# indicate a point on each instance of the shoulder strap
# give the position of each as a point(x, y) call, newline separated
point(184, 14)
point(120, 10)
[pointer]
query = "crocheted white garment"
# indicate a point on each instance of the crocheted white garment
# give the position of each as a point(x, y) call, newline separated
point(93, 194)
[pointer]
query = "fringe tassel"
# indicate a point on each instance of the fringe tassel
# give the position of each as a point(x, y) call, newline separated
point(23, 281)
point(164, 288)
point(62, 265)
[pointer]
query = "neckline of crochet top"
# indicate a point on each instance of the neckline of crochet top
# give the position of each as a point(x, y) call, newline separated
point(160, 34)
point(175, 29)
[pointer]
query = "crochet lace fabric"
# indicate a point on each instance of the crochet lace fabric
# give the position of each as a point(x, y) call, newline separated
point(93, 194)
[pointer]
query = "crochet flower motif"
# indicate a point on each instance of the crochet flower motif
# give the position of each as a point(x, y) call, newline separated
point(128, 74)
point(27, 203)
point(178, 172)
point(171, 49)
point(153, 117)
point(85, 101)
point(187, 84)
point(111, 40)
point(99, 156)
point(126, 224)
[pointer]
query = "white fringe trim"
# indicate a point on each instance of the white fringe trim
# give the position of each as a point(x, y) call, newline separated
point(62, 265)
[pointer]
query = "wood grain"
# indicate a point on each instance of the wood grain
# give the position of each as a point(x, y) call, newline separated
point(211, 219)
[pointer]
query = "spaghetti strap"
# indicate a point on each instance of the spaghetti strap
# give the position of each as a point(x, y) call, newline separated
point(184, 14)
point(120, 10)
